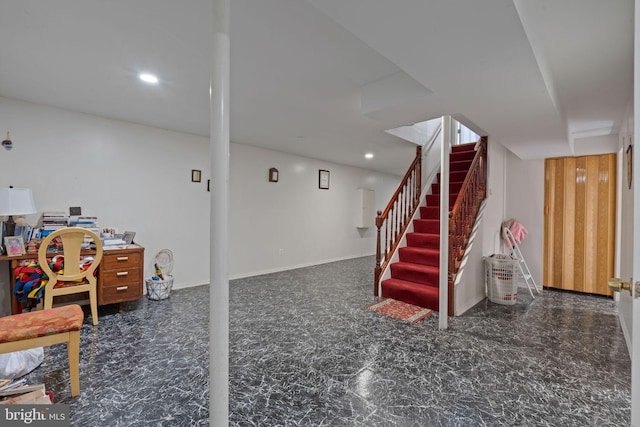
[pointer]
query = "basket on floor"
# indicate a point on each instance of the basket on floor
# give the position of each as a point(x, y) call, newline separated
point(501, 275)
point(159, 289)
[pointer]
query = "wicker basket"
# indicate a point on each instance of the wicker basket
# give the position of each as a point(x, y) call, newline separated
point(161, 289)
point(501, 275)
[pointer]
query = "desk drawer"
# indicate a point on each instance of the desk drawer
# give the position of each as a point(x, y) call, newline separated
point(120, 261)
point(122, 292)
point(121, 276)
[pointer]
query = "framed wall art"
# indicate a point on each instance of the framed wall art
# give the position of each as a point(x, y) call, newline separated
point(273, 175)
point(323, 179)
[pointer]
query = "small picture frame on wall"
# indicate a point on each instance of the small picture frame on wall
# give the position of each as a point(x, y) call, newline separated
point(196, 175)
point(14, 245)
point(630, 166)
point(273, 175)
point(323, 179)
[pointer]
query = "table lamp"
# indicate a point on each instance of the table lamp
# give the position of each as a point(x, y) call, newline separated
point(15, 201)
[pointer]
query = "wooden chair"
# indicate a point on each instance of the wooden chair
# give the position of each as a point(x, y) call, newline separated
point(73, 279)
point(44, 328)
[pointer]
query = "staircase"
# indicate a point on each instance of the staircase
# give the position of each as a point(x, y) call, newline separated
point(415, 277)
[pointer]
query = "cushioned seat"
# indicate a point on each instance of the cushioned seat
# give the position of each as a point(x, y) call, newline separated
point(44, 328)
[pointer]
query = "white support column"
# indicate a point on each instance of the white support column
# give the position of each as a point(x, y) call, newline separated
point(218, 270)
point(444, 222)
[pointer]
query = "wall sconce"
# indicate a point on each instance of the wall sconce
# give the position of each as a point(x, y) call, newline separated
point(273, 175)
point(7, 144)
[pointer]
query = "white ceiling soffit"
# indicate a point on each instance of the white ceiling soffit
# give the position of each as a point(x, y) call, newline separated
point(529, 90)
point(388, 92)
point(585, 51)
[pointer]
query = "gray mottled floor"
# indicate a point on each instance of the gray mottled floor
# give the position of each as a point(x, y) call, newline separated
point(305, 351)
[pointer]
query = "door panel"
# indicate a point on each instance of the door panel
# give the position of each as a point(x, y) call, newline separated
point(580, 223)
point(628, 305)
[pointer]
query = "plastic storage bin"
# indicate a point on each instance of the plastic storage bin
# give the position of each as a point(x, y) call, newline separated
point(501, 275)
point(159, 289)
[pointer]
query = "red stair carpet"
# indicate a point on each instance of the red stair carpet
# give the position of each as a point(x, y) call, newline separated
point(414, 278)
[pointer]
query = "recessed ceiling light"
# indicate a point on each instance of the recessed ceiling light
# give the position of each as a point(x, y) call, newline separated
point(368, 156)
point(148, 78)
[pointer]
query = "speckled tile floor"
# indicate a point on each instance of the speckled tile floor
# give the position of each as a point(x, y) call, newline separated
point(305, 351)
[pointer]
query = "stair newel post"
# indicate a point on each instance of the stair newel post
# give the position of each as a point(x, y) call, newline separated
point(418, 187)
point(452, 267)
point(484, 148)
point(378, 268)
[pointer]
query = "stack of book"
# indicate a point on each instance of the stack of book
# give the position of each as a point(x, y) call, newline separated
point(18, 392)
point(52, 221)
point(26, 231)
point(88, 222)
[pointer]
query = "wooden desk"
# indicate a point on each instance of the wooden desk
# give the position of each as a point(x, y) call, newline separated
point(119, 274)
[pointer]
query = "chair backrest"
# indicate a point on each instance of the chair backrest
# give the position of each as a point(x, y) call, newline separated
point(72, 239)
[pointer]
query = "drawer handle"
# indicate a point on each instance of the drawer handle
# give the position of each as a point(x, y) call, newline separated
point(122, 288)
point(122, 273)
point(122, 258)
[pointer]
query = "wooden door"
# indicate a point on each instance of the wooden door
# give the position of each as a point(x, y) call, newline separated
point(579, 226)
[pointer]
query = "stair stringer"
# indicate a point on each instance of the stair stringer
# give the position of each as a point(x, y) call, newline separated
point(468, 285)
point(426, 190)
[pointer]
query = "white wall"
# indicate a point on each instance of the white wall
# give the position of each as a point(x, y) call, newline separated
point(525, 203)
point(139, 178)
point(496, 198)
point(470, 280)
point(293, 223)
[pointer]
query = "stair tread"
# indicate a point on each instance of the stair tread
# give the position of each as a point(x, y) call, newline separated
point(420, 249)
point(427, 287)
point(416, 267)
point(420, 254)
point(422, 295)
point(425, 234)
point(463, 147)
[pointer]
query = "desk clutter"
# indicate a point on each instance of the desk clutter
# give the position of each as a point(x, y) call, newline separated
point(26, 237)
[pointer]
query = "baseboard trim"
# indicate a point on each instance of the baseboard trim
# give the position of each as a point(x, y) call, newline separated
point(295, 267)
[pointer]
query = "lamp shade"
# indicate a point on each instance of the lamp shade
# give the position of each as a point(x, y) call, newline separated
point(16, 201)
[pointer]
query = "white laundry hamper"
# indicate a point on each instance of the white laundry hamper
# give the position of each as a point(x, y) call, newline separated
point(501, 279)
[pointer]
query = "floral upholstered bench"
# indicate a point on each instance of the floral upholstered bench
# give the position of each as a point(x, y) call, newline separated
point(44, 328)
